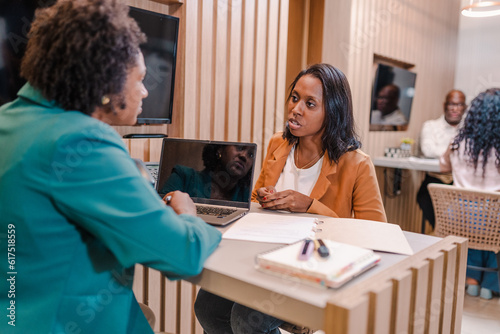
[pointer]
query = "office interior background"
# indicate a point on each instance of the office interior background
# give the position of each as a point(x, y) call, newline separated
point(236, 59)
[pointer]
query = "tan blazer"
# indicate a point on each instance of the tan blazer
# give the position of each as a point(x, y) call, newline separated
point(344, 190)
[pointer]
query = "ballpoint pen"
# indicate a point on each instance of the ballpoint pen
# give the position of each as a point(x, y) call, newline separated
point(306, 250)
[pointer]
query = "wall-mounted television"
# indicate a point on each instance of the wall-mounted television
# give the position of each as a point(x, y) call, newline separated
point(392, 97)
point(160, 53)
point(15, 22)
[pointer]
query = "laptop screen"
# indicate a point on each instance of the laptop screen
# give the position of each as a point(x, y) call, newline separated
point(211, 172)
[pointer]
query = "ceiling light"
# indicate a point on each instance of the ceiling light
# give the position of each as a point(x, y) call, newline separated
point(478, 8)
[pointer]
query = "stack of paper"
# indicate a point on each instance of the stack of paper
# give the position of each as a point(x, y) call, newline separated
point(343, 263)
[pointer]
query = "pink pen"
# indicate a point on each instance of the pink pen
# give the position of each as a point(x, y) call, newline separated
point(306, 250)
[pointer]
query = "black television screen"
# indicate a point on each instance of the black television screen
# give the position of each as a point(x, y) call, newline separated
point(159, 55)
point(15, 22)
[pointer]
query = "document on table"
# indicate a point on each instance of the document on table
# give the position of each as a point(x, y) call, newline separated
point(284, 228)
point(370, 234)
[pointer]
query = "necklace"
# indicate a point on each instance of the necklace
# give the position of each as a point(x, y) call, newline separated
point(307, 165)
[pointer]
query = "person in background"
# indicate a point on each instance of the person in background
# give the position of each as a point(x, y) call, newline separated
point(314, 166)
point(474, 160)
point(435, 137)
point(75, 211)
point(388, 112)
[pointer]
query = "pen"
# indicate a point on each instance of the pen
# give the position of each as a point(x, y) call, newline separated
point(306, 250)
point(323, 251)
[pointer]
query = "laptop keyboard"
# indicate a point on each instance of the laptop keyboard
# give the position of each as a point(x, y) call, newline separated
point(212, 211)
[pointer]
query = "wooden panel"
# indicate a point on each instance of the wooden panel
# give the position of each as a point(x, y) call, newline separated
point(220, 75)
point(247, 64)
point(234, 71)
point(187, 318)
point(155, 295)
point(351, 319)
point(139, 148)
point(420, 292)
point(138, 284)
point(294, 61)
point(401, 297)
point(207, 50)
point(402, 290)
point(380, 314)
point(458, 300)
point(268, 126)
point(282, 70)
point(155, 149)
point(170, 2)
point(447, 307)
point(171, 308)
point(190, 112)
point(259, 74)
point(435, 285)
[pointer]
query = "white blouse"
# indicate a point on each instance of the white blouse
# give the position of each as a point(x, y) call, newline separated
point(463, 171)
point(301, 180)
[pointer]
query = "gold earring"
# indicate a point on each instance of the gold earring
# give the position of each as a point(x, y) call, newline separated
point(105, 100)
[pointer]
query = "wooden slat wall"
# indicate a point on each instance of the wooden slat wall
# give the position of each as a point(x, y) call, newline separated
point(235, 70)
point(423, 33)
point(230, 85)
point(424, 294)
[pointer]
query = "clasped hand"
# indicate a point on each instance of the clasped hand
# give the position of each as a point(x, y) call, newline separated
point(289, 200)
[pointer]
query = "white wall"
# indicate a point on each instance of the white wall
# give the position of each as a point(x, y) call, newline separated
point(478, 55)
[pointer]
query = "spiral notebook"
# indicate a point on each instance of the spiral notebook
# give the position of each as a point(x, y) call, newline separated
point(344, 263)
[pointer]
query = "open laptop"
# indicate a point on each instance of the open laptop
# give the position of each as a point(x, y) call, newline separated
point(217, 175)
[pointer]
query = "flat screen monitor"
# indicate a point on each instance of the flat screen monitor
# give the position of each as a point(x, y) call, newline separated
point(15, 22)
point(160, 52)
point(392, 97)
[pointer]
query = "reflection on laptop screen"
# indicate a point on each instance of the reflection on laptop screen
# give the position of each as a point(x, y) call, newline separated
point(209, 171)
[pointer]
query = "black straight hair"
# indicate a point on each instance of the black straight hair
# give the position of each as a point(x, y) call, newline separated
point(339, 134)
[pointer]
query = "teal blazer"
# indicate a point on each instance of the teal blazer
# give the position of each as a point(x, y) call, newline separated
point(77, 216)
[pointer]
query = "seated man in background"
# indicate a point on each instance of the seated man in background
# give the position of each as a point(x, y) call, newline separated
point(435, 138)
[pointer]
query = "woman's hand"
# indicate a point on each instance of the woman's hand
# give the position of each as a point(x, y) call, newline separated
point(180, 202)
point(263, 192)
point(289, 200)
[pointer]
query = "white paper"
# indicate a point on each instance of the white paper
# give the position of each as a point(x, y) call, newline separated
point(273, 228)
point(369, 234)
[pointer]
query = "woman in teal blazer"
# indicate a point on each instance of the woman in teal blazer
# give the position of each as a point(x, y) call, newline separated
point(76, 214)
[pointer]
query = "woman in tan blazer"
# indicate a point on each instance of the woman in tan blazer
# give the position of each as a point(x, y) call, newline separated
point(314, 166)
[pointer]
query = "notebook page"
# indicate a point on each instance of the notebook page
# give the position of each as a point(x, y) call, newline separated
point(271, 228)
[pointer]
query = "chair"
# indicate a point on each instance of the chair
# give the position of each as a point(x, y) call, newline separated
point(468, 213)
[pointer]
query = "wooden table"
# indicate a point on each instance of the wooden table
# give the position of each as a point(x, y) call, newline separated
point(416, 294)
